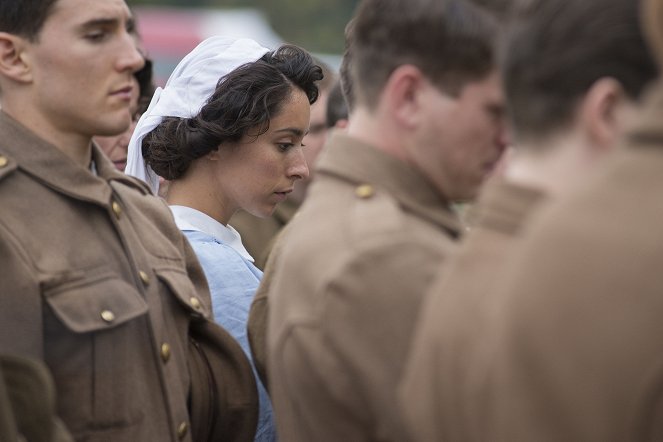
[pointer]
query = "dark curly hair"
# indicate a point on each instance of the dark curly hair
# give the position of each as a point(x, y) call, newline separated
point(244, 100)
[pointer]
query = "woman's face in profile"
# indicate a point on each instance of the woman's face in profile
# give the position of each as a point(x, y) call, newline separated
point(256, 174)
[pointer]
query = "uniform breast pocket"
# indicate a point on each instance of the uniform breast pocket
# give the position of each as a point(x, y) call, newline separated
point(97, 344)
point(179, 284)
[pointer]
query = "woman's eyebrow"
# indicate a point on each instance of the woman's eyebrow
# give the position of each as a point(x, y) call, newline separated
point(292, 130)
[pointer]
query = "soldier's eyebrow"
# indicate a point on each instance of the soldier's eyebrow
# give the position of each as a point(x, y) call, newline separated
point(109, 22)
point(98, 22)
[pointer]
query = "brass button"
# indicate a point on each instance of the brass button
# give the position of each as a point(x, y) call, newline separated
point(182, 429)
point(116, 209)
point(165, 352)
point(365, 191)
point(144, 277)
point(108, 316)
point(3, 161)
point(195, 303)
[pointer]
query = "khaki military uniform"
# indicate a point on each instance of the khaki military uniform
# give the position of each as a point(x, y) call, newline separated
point(98, 283)
point(27, 402)
point(440, 375)
point(346, 293)
point(259, 314)
point(259, 234)
point(576, 347)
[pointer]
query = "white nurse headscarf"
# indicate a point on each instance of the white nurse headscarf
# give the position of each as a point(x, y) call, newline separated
point(189, 87)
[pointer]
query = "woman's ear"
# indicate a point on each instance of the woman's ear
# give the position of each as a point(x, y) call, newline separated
point(213, 155)
point(14, 58)
point(600, 112)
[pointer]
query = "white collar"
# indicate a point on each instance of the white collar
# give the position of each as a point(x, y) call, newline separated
point(187, 218)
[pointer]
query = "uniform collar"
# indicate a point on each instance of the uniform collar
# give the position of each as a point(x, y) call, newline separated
point(49, 165)
point(505, 206)
point(359, 163)
point(647, 131)
point(190, 219)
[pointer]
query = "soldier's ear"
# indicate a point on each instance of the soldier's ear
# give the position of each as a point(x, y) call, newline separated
point(403, 95)
point(599, 112)
point(14, 58)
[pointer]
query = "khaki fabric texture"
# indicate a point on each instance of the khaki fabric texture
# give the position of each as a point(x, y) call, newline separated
point(575, 346)
point(100, 285)
point(259, 312)
point(27, 402)
point(346, 292)
point(440, 400)
point(224, 395)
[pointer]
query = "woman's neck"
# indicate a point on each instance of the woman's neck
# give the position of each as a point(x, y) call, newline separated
point(185, 193)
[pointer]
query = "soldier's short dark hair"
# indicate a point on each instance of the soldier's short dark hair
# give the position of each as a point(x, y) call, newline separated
point(557, 49)
point(24, 17)
point(337, 107)
point(450, 41)
point(345, 71)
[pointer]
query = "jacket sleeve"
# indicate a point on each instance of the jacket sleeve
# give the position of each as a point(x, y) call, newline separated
point(21, 328)
point(27, 402)
point(257, 323)
point(21, 336)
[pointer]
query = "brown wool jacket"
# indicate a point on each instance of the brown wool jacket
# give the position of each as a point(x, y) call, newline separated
point(97, 282)
point(27, 402)
point(259, 313)
point(440, 375)
point(576, 349)
point(345, 294)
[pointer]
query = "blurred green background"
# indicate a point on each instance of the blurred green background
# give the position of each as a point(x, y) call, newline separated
point(316, 25)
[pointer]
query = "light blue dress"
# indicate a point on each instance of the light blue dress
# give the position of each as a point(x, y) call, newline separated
point(233, 281)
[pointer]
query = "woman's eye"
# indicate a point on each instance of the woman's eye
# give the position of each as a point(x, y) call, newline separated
point(285, 146)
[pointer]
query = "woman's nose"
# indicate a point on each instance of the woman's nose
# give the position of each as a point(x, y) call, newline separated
point(298, 168)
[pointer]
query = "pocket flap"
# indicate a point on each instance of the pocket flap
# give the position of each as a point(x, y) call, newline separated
point(88, 306)
point(181, 286)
